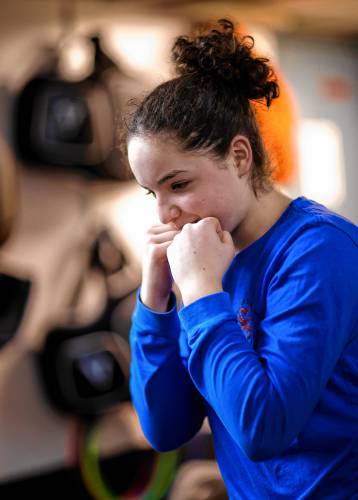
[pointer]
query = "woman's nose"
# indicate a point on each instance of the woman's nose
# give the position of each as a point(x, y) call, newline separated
point(167, 213)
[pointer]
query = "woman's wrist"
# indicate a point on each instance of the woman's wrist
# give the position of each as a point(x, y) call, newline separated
point(158, 304)
point(191, 295)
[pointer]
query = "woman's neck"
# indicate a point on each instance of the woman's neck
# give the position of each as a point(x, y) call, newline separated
point(262, 214)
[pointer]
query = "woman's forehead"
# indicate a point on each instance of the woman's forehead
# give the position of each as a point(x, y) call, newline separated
point(153, 157)
point(146, 155)
point(155, 146)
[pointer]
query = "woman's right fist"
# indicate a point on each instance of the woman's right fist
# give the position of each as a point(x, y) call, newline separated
point(157, 280)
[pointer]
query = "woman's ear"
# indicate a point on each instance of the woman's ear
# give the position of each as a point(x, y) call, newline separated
point(241, 153)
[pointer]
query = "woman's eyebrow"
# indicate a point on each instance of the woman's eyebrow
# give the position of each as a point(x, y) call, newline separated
point(170, 175)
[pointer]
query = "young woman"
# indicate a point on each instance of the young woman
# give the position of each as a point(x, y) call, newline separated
point(266, 342)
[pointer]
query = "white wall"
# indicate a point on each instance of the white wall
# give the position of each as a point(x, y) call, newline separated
point(313, 68)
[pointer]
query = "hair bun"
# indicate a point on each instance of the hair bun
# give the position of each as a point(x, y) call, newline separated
point(219, 52)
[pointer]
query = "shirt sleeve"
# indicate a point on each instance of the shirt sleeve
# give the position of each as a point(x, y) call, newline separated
point(170, 409)
point(265, 395)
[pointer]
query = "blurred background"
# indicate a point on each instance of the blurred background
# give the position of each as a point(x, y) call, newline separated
point(72, 220)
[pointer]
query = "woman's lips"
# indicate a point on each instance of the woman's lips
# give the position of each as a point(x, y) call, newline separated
point(180, 226)
point(191, 222)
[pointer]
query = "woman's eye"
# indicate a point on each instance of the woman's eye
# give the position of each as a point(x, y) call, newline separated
point(180, 185)
point(149, 192)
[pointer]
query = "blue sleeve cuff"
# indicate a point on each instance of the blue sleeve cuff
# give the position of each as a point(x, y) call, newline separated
point(163, 324)
point(206, 313)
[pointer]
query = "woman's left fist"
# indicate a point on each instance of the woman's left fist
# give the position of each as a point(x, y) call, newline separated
point(198, 257)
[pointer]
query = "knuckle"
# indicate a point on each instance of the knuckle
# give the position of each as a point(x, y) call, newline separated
point(149, 240)
point(210, 220)
point(187, 226)
point(149, 233)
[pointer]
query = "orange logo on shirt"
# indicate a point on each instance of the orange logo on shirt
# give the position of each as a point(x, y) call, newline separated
point(244, 318)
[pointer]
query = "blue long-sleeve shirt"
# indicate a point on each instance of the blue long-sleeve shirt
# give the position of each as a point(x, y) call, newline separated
point(272, 361)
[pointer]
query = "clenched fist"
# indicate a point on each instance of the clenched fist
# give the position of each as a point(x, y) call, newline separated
point(198, 257)
point(157, 280)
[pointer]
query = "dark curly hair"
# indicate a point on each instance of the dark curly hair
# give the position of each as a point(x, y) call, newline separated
point(208, 103)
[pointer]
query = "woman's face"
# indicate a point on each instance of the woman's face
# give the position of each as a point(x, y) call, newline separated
point(189, 186)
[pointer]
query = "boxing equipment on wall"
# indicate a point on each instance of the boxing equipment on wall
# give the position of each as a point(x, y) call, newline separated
point(72, 124)
point(14, 296)
point(84, 370)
